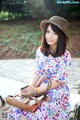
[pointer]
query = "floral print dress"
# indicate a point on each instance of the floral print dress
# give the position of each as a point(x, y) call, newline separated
point(54, 68)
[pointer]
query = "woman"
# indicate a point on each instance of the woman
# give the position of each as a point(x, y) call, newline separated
point(52, 60)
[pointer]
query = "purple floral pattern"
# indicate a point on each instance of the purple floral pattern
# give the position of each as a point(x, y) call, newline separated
point(58, 107)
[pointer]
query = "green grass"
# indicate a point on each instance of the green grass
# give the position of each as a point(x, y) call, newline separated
point(20, 39)
point(3, 15)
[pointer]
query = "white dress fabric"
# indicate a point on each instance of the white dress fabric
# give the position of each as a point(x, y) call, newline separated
point(54, 68)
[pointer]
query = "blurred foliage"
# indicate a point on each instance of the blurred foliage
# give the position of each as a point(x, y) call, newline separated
point(19, 39)
point(16, 9)
point(38, 9)
point(66, 10)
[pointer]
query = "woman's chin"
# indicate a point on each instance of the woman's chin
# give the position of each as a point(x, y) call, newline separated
point(50, 43)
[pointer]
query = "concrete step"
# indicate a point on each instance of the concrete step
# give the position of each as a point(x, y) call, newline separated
point(12, 87)
point(9, 86)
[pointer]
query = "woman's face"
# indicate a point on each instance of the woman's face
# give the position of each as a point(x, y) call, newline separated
point(51, 36)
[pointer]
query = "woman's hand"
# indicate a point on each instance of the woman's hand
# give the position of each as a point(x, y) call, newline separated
point(29, 91)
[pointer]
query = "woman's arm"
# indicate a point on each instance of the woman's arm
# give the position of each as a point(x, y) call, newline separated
point(30, 91)
point(35, 79)
point(43, 88)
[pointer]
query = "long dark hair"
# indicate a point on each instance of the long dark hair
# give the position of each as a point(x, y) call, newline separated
point(61, 43)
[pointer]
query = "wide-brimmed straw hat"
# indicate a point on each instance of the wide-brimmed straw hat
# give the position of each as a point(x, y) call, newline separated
point(58, 21)
point(5, 106)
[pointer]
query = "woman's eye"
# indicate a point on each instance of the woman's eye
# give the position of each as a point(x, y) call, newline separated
point(47, 31)
point(54, 33)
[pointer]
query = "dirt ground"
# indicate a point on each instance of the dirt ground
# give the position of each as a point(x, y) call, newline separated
point(74, 44)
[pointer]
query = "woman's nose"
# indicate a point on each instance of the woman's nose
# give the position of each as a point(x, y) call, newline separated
point(50, 35)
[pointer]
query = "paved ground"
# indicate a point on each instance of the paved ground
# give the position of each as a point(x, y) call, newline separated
point(21, 70)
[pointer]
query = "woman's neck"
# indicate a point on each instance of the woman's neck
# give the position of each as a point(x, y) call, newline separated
point(52, 49)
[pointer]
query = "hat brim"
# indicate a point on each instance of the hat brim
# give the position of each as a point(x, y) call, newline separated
point(5, 107)
point(45, 22)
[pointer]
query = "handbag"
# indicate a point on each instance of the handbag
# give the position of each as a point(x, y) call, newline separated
point(27, 103)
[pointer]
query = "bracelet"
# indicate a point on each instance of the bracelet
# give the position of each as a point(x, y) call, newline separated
point(37, 90)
